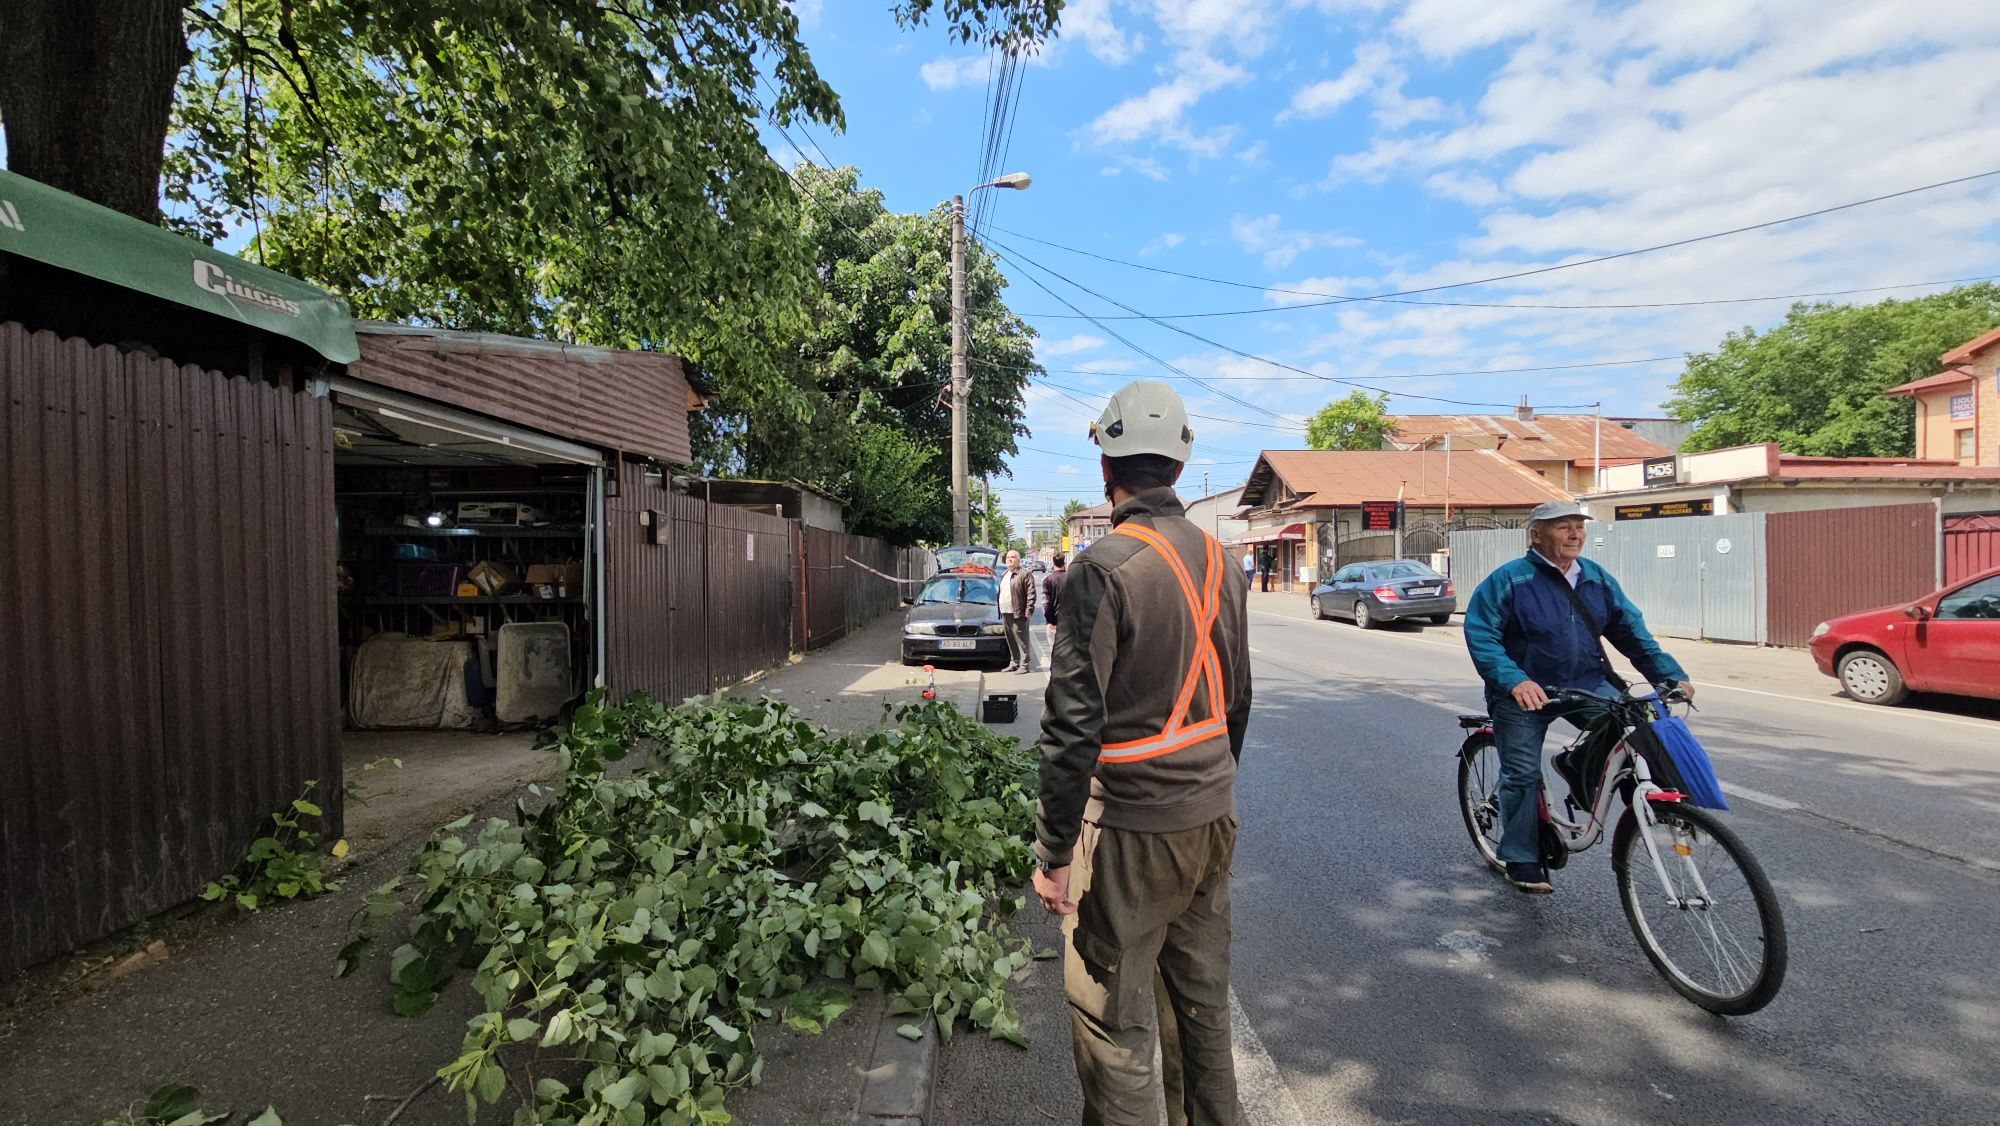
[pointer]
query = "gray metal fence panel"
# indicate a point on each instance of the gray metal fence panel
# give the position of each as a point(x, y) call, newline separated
point(1476, 554)
point(1697, 576)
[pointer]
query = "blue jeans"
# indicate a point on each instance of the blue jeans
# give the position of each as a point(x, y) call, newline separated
point(1518, 735)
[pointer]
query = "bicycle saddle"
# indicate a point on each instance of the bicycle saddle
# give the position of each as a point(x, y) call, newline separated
point(1471, 722)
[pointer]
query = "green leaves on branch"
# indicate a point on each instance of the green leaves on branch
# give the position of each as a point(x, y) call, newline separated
point(1814, 383)
point(752, 866)
point(1359, 421)
point(285, 863)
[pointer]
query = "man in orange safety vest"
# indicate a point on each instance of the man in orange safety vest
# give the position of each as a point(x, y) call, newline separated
point(1148, 700)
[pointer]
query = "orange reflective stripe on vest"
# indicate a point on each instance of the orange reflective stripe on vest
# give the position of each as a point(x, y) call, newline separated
point(1203, 608)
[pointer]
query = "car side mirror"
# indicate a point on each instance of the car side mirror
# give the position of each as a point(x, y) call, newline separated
point(909, 602)
point(1917, 613)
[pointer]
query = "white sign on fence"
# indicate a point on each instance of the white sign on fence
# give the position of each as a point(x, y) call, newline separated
point(1722, 546)
point(1664, 551)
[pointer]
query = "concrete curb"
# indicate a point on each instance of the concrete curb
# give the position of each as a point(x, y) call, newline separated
point(901, 1079)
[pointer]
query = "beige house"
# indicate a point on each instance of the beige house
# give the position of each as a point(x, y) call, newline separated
point(1563, 449)
point(1764, 479)
point(1958, 409)
point(1088, 526)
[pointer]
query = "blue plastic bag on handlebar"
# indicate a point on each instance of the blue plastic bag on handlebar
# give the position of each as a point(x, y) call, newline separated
point(1697, 777)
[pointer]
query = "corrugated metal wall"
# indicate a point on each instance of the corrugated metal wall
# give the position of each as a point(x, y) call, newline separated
point(1971, 545)
point(749, 591)
point(1676, 571)
point(168, 669)
point(1477, 554)
point(634, 401)
point(703, 609)
point(1839, 560)
point(825, 573)
point(842, 592)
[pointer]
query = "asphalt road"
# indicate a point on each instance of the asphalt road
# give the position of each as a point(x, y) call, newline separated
point(1387, 977)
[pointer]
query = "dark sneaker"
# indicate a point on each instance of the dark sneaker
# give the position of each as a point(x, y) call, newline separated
point(1565, 764)
point(1531, 878)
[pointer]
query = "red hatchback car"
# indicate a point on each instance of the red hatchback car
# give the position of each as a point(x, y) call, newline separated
point(1946, 641)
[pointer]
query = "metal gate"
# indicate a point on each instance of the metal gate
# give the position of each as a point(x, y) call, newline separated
point(1833, 561)
point(1697, 576)
point(1694, 576)
point(1971, 545)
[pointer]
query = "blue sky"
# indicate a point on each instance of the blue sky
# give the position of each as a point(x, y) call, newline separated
point(1354, 147)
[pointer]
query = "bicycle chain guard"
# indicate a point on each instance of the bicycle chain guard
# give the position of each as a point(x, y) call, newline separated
point(1555, 852)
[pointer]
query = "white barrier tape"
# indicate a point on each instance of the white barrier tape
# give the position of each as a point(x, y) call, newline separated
point(873, 571)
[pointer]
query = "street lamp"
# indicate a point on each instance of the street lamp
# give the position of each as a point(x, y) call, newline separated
point(961, 383)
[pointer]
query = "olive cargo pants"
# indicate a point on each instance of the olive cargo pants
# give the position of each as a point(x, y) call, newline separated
point(1151, 908)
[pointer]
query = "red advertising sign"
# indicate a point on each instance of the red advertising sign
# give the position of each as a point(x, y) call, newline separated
point(1378, 515)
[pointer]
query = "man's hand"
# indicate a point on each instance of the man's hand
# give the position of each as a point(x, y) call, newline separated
point(1052, 888)
point(1530, 696)
point(1687, 689)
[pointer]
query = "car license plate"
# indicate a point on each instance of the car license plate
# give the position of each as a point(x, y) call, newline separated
point(1421, 591)
point(958, 643)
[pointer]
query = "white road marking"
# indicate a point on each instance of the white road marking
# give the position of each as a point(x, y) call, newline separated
point(1259, 1086)
point(1955, 721)
point(1759, 797)
point(1899, 713)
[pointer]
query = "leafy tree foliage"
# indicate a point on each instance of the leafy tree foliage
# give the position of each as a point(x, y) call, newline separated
point(1358, 422)
point(1814, 383)
point(1071, 508)
point(871, 361)
point(590, 171)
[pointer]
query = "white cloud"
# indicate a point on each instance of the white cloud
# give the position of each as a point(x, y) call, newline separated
point(1070, 346)
point(1246, 27)
point(1159, 115)
point(1065, 468)
point(1110, 170)
point(808, 11)
point(1166, 241)
point(1252, 152)
point(1318, 289)
point(1089, 22)
point(1372, 63)
point(952, 71)
point(1468, 188)
point(1267, 236)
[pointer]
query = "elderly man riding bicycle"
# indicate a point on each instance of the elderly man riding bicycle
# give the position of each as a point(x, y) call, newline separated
point(1533, 627)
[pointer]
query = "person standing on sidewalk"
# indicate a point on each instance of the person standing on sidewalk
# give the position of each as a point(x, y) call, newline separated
point(1017, 607)
point(1142, 726)
point(1249, 566)
point(1052, 592)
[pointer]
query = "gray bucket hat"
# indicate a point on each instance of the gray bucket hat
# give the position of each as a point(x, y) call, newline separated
point(1556, 510)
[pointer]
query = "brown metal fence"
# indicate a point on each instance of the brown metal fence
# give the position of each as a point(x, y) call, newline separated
point(168, 670)
point(1838, 560)
point(852, 580)
point(1971, 545)
point(698, 604)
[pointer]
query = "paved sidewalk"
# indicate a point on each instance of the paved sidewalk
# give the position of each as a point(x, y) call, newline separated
point(248, 1011)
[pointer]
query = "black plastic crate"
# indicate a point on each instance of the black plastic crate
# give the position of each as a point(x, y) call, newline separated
point(1001, 707)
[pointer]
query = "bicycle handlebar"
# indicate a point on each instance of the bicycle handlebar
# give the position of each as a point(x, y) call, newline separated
point(1667, 692)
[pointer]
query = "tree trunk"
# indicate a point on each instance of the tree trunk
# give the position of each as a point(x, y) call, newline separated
point(86, 88)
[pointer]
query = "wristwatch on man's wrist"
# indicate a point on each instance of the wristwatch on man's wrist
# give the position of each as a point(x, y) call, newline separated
point(1042, 863)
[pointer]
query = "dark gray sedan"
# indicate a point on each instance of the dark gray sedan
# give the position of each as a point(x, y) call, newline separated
point(955, 617)
point(1395, 590)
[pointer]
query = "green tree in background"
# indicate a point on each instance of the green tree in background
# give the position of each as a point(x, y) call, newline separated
point(870, 361)
point(1358, 422)
point(1814, 383)
point(1071, 508)
point(582, 171)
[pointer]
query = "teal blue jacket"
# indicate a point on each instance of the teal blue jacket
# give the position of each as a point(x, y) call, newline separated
point(1520, 625)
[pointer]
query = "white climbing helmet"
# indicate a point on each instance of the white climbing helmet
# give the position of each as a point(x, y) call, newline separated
point(1144, 417)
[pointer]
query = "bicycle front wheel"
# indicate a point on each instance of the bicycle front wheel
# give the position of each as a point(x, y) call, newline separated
point(1713, 928)
point(1479, 796)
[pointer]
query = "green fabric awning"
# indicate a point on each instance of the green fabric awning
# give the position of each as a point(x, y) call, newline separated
point(39, 222)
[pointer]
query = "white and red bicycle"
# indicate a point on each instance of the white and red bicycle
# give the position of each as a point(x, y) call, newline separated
point(1698, 901)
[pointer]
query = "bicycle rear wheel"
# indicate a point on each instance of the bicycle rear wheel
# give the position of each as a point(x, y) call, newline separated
point(1713, 930)
point(1479, 796)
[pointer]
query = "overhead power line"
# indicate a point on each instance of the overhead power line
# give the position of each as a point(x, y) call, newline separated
point(1017, 256)
point(1677, 357)
point(1628, 305)
point(1538, 269)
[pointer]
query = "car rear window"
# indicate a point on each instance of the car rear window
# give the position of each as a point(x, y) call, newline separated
point(1405, 570)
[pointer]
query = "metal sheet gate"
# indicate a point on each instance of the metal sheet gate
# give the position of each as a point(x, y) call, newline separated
point(1971, 545)
point(1699, 576)
point(168, 669)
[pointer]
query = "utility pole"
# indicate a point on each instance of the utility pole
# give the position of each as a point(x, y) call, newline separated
point(986, 512)
point(1399, 517)
point(961, 504)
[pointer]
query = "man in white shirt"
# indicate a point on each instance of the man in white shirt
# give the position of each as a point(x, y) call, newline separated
point(1017, 607)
